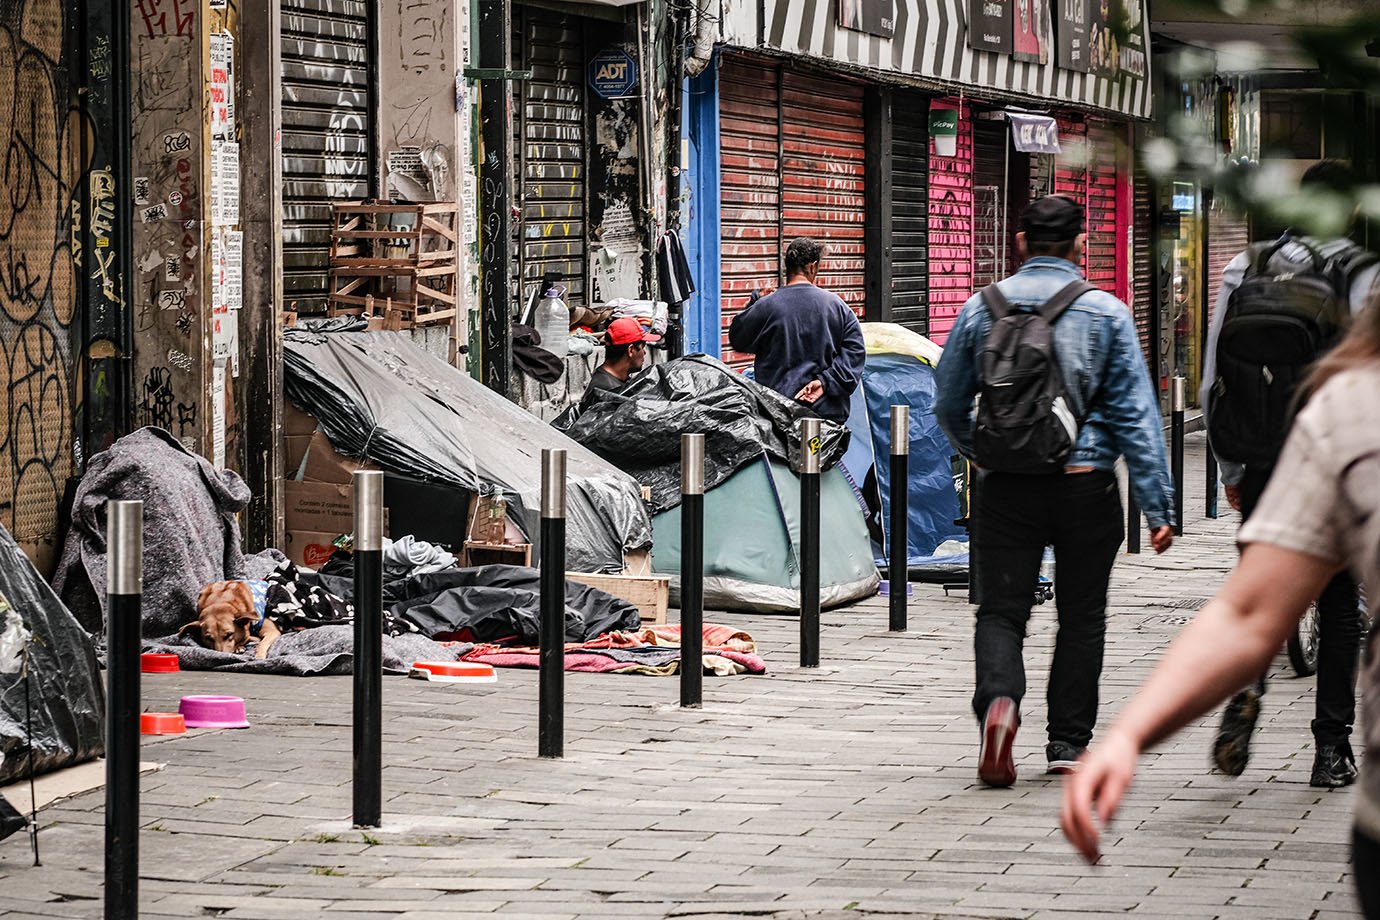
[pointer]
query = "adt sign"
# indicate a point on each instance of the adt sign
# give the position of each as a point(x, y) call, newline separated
point(612, 73)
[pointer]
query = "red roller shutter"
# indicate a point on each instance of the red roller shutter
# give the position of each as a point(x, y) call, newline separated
point(1071, 163)
point(951, 227)
point(1103, 224)
point(822, 170)
point(1143, 266)
point(750, 190)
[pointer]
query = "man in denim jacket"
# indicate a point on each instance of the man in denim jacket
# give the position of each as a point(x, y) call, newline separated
point(1077, 511)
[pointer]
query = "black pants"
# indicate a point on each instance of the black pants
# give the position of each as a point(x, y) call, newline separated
point(1339, 639)
point(1016, 517)
point(1365, 865)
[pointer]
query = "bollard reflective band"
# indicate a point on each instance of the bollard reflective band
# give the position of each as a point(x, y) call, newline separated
point(368, 510)
point(692, 464)
point(553, 482)
point(125, 542)
point(900, 431)
point(809, 445)
point(1177, 403)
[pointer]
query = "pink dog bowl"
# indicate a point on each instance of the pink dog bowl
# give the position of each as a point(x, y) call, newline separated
point(213, 712)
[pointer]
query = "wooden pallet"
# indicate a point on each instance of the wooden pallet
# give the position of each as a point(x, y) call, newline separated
point(404, 256)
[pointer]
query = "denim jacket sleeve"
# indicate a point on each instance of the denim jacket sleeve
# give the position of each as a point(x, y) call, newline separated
point(1133, 416)
point(956, 378)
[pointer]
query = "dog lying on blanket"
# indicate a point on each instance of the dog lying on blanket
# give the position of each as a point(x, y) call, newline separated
point(229, 615)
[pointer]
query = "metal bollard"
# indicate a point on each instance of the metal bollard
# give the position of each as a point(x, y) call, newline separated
point(551, 699)
point(368, 666)
point(691, 570)
point(1176, 451)
point(898, 568)
point(809, 543)
point(1132, 522)
point(124, 595)
point(1210, 497)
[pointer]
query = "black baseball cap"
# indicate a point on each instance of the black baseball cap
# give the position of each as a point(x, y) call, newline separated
point(1052, 219)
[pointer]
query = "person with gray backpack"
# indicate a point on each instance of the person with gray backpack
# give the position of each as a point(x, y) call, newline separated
point(1283, 304)
point(1042, 386)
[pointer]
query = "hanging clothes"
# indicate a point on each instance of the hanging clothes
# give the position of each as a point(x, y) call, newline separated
point(677, 283)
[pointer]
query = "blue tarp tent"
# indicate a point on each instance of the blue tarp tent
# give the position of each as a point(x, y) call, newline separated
point(900, 371)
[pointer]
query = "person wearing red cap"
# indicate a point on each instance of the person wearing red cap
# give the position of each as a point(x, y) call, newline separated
point(625, 351)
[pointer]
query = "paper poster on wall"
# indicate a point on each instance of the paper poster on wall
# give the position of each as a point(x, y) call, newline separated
point(222, 112)
point(1029, 35)
point(989, 25)
point(875, 17)
point(217, 202)
point(1071, 34)
point(234, 269)
point(218, 415)
point(228, 182)
point(618, 230)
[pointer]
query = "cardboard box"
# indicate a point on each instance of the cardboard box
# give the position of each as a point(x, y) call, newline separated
point(650, 594)
point(321, 507)
point(477, 554)
point(294, 452)
point(325, 465)
point(297, 422)
point(309, 548)
point(489, 522)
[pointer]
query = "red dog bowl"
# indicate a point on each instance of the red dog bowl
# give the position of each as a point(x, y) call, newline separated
point(453, 672)
point(158, 663)
point(213, 711)
point(161, 723)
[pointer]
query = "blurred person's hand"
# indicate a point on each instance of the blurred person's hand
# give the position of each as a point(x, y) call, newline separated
point(810, 393)
point(1093, 792)
point(1161, 538)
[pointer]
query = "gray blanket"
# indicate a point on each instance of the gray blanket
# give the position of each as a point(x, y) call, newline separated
point(323, 650)
point(191, 537)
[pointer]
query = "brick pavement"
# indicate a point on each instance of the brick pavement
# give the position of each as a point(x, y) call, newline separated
point(834, 793)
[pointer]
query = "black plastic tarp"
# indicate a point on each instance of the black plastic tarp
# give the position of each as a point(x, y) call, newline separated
point(638, 428)
point(66, 698)
point(380, 396)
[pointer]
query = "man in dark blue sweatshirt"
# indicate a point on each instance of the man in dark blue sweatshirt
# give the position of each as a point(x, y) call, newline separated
point(808, 344)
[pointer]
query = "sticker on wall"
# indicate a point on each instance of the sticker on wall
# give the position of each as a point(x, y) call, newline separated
point(612, 73)
point(141, 190)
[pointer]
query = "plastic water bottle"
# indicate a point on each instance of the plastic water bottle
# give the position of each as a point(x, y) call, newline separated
point(552, 322)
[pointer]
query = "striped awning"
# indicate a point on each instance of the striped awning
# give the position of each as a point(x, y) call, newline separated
point(931, 42)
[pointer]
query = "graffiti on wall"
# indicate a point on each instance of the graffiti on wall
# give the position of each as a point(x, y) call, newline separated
point(37, 141)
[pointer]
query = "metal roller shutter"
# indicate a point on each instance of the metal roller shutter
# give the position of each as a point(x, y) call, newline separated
point(822, 168)
point(951, 228)
point(910, 144)
point(325, 131)
point(990, 249)
point(1070, 168)
point(551, 152)
point(1142, 271)
point(1102, 207)
point(750, 187)
point(1228, 235)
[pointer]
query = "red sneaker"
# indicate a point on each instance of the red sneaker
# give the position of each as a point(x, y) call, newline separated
point(995, 764)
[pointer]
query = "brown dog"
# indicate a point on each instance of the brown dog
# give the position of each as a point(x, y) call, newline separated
point(226, 620)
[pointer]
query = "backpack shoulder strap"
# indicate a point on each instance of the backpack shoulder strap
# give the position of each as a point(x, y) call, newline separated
point(996, 301)
point(1056, 305)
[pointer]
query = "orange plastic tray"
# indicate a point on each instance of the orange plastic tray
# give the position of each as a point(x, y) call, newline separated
point(162, 723)
point(453, 672)
point(158, 663)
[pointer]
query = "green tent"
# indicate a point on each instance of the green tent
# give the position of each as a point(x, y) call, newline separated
point(752, 541)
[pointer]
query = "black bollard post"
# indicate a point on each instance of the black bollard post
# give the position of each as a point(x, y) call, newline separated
point(691, 570)
point(368, 666)
point(1210, 497)
point(809, 543)
point(898, 568)
point(1176, 451)
point(1132, 522)
point(551, 699)
point(124, 593)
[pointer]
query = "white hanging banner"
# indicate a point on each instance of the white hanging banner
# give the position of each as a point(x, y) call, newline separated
point(1034, 133)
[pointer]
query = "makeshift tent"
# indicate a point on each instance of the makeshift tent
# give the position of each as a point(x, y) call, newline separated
point(752, 498)
point(65, 700)
point(900, 371)
point(380, 396)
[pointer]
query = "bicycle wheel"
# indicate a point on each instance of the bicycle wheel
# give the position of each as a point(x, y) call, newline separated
point(1303, 644)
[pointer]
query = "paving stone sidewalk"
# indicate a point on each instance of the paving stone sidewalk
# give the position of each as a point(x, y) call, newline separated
point(833, 793)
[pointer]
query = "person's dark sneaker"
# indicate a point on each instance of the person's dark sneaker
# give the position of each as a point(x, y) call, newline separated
point(996, 767)
point(1232, 749)
point(1333, 766)
point(1062, 757)
point(11, 820)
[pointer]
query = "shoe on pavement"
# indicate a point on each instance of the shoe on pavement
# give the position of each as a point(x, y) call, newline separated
point(996, 767)
point(1232, 749)
point(1062, 757)
point(1333, 766)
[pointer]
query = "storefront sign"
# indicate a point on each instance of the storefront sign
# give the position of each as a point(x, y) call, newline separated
point(1133, 52)
point(1028, 31)
point(944, 131)
point(989, 25)
point(875, 17)
point(1104, 50)
point(1072, 34)
point(612, 73)
point(1034, 133)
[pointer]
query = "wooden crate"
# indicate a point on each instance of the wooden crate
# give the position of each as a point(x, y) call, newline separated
point(651, 594)
point(404, 255)
point(476, 554)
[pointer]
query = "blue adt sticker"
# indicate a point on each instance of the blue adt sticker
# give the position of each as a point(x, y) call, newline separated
point(612, 73)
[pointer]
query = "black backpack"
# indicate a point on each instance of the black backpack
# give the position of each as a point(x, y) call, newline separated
point(1275, 326)
point(1025, 423)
